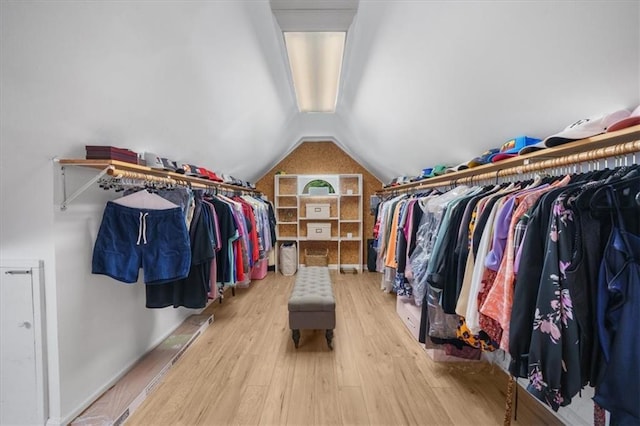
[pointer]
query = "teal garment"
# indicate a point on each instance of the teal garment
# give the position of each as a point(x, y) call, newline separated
point(442, 325)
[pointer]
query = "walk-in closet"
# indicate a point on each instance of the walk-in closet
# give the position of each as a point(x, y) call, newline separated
point(319, 212)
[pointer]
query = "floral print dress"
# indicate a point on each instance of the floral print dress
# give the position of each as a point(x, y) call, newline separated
point(554, 361)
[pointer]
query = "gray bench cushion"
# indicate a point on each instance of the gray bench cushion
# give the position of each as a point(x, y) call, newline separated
point(312, 291)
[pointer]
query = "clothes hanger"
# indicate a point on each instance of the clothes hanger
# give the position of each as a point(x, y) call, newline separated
point(145, 200)
point(626, 192)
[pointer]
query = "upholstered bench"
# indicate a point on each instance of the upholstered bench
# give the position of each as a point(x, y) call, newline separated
point(311, 305)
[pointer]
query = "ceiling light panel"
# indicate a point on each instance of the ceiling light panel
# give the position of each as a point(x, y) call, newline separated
point(315, 59)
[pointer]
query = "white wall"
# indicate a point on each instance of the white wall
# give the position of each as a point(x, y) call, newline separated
point(190, 80)
point(469, 75)
point(103, 325)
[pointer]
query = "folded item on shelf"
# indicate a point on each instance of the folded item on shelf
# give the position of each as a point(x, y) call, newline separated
point(105, 152)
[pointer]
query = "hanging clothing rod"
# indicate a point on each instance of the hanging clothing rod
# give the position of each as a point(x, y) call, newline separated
point(119, 169)
point(566, 160)
point(569, 160)
point(117, 173)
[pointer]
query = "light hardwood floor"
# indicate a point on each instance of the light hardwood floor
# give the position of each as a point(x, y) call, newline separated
point(245, 370)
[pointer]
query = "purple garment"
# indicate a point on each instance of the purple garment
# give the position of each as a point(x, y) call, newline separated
point(516, 262)
point(409, 218)
point(500, 234)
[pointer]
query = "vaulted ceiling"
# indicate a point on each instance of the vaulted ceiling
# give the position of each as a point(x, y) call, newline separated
point(423, 83)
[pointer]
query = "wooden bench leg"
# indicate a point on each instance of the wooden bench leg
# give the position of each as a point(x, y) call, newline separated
point(295, 335)
point(329, 335)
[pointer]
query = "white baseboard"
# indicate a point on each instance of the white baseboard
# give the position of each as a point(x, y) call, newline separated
point(100, 391)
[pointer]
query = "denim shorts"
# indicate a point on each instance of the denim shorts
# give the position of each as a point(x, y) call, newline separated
point(131, 238)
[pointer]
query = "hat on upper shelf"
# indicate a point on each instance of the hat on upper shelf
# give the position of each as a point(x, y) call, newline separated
point(213, 176)
point(169, 165)
point(436, 170)
point(194, 171)
point(483, 158)
point(581, 129)
point(632, 120)
point(153, 160)
point(512, 147)
point(459, 167)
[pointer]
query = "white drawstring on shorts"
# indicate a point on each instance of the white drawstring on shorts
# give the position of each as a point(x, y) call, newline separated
point(142, 228)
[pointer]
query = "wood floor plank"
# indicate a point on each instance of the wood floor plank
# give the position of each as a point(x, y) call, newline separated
point(352, 407)
point(276, 405)
point(302, 399)
point(326, 410)
point(246, 370)
point(250, 407)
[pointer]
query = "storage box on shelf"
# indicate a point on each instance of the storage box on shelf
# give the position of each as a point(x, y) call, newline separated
point(318, 211)
point(318, 231)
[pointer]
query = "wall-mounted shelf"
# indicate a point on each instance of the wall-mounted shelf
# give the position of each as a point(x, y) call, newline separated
point(121, 169)
point(585, 150)
point(319, 219)
point(318, 197)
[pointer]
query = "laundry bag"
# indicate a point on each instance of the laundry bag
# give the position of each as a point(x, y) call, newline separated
point(288, 259)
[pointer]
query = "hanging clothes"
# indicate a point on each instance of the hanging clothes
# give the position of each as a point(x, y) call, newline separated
point(192, 291)
point(618, 316)
point(536, 269)
point(142, 230)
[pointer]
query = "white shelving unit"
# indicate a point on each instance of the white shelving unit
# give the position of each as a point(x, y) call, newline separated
point(345, 216)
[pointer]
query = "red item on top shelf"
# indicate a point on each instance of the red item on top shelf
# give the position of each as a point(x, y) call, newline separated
point(99, 152)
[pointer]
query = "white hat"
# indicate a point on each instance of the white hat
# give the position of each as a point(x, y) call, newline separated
point(153, 160)
point(585, 128)
point(581, 129)
point(459, 167)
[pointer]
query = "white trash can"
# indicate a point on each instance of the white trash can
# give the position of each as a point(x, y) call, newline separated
point(288, 259)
